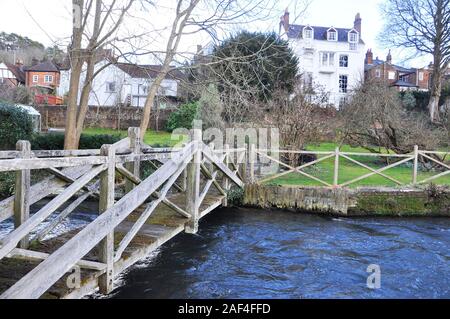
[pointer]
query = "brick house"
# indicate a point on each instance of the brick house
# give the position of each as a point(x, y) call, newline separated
point(403, 79)
point(42, 77)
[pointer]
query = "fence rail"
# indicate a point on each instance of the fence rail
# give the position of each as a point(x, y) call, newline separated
point(438, 158)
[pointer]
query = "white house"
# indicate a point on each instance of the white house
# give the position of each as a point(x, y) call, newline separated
point(127, 84)
point(330, 57)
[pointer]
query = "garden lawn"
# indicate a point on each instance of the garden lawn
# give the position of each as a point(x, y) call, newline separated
point(349, 171)
point(152, 138)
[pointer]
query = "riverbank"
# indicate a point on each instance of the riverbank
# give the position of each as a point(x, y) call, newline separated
point(365, 201)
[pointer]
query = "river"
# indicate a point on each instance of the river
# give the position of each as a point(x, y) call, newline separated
point(244, 253)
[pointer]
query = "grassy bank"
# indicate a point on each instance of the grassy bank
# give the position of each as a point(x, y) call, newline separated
point(349, 171)
point(152, 138)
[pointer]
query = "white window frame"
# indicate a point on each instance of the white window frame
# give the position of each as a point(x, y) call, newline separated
point(340, 57)
point(35, 78)
point(353, 46)
point(48, 78)
point(421, 76)
point(341, 88)
point(305, 29)
point(355, 33)
point(329, 58)
point(329, 32)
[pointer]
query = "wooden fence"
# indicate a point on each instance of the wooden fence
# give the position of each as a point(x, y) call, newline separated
point(82, 174)
point(438, 158)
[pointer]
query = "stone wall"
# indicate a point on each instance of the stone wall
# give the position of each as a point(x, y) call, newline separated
point(104, 117)
point(351, 202)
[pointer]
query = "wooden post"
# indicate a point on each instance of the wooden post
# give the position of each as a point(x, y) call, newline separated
point(22, 192)
point(135, 146)
point(336, 168)
point(252, 162)
point(107, 192)
point(416, 164)
point(243, 164)
point(193, 184)
point(226, 182)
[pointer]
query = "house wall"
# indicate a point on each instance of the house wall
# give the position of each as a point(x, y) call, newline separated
point(128, 91)
point(328, 77)
point(41, 79)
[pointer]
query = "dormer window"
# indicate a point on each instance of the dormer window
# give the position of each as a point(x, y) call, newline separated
point(308, 33)
point(332, 34)
point(353, 36)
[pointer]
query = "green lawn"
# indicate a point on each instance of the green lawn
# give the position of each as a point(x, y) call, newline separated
point(152, 138)
point(349, 171)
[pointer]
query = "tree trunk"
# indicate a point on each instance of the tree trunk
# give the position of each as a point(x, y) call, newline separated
point(435, 95)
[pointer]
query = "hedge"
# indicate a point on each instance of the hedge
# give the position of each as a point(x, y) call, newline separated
point(55, 141)
point(15, 124)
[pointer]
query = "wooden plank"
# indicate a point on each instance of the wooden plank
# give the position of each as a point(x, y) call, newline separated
point(372, 170)
point(416, 164)
point(134, 167)
point(436, 161)
point(297, 169)
point(146, 214)
point(221, 166)
point(434, 177)
point(193, 184)
point(38, 256)
point(22, 192)
point(336, 168)
point(33, 164)
point(41, 190)
point(61, 217)
point(106, 246)
point(41, 278)
point(377, 171)
point(10, 241)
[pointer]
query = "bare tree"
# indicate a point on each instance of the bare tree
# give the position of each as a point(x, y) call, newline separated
point(422, 25)
point(213, 17)
point(95, 25)
point(376, 120)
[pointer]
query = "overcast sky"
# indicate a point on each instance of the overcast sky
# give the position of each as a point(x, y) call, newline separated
point(49, 21)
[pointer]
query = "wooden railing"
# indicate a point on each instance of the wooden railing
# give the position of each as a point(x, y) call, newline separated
point(438, 158)
point(92, 174)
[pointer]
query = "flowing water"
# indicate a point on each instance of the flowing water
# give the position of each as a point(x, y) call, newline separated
point(241, 253)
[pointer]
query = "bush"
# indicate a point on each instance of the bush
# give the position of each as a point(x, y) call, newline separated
point(183, 117)
point(55, 141)
point(15, 124)
point(7, 182)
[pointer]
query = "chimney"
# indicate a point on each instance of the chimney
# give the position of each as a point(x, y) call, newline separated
point(19, 63)
point(358, 24)
point(369, 57)
point(285, 20)
point(389, 57)
point(34, 61)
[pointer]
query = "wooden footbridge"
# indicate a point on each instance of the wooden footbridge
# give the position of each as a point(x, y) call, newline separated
point(38, 261)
